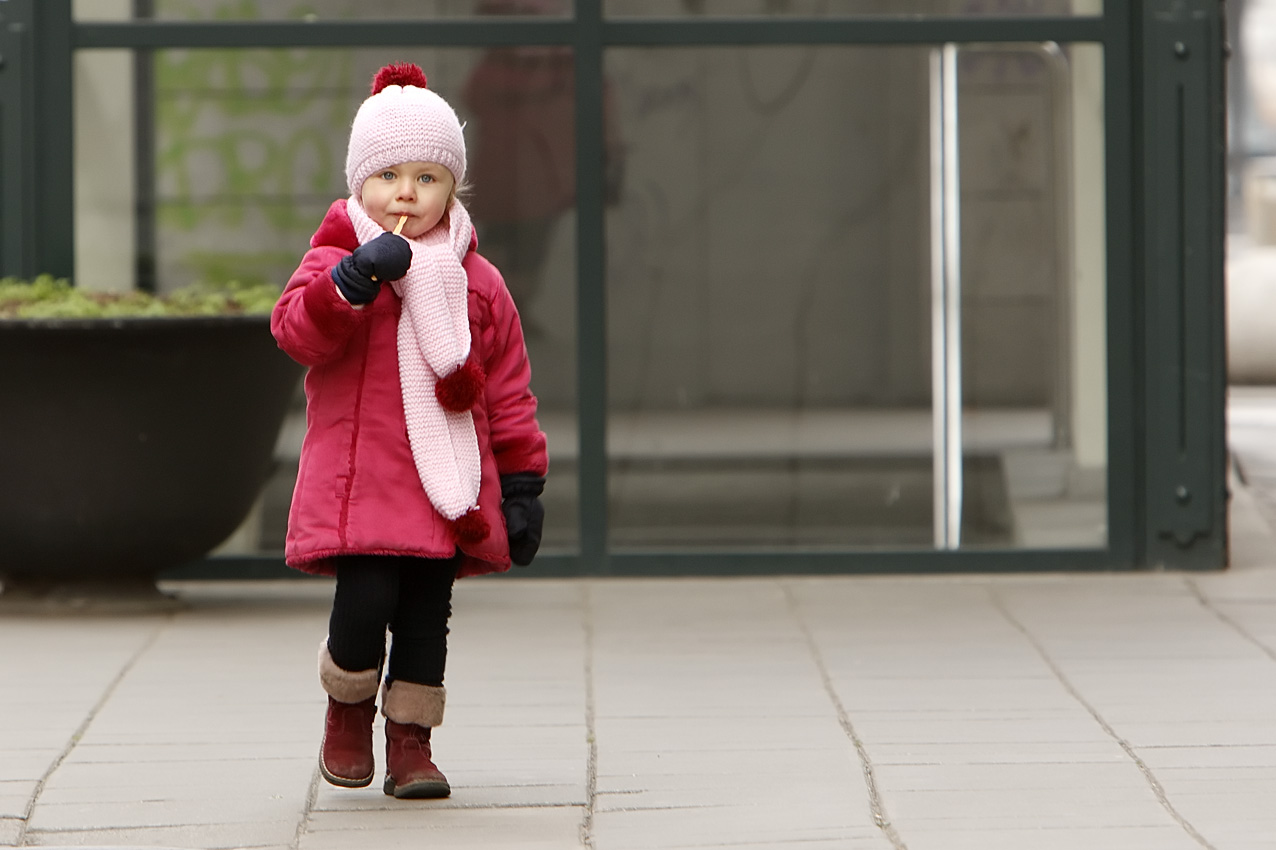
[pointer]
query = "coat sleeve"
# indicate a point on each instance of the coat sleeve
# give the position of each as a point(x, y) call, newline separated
point(517, 440)
point(311, 321)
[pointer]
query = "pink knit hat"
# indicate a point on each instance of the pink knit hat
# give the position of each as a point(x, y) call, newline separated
point(403, 121)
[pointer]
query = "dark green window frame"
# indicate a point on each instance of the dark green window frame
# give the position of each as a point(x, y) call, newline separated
point(1165, 159)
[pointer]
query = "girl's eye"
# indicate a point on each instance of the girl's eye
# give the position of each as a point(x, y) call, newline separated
point(387, 175)
point(426, 178)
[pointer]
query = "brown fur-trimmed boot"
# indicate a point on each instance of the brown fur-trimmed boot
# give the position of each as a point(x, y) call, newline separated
point(410, 711)
point(345, 758)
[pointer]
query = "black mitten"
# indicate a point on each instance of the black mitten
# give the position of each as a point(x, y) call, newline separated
point(360, 275)
point(524, 514)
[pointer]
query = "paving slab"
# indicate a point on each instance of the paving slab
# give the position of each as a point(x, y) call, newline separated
point(233, 807)
point(228, 836)
point(1209, 756)
point(1062, 777)
point(948, 837)
point(14, 797)
point(1129, 804)
point(423, 824)
point(731, 826)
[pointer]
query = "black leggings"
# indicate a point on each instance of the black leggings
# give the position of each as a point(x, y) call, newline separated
point(411, 596)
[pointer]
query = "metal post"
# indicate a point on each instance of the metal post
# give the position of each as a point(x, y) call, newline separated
point(144, 155)
point(53, 128)
point(591, 304)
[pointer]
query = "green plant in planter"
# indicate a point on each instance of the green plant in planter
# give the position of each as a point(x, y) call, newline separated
point(47, 297)
point(137, 433)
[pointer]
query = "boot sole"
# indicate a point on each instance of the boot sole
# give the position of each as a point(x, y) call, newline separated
point(343, 782)
point(423, 790)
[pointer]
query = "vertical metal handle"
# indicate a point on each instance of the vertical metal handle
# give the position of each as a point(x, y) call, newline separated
point(945, 266)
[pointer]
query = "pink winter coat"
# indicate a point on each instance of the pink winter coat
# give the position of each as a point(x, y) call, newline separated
point(357, 488)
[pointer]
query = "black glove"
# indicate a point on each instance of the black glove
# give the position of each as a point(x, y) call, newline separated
point(385, 258)
point(524, 514)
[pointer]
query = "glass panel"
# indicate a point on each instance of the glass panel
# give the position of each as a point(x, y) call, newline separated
point(769, 300)
point(847, 8)
point(1034, 372)
point(314, 10)
point(249, 152)
point(767, 288)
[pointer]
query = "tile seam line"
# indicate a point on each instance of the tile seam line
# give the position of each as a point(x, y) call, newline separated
point(1148, 776)
point(74, 740)
point(307, 808)
point(591, 736)
point(1208, 605)
point(876, 808)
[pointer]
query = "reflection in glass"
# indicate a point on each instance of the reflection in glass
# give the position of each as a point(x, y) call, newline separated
point(314, 10)
point(769, 302)
point(521, 148)
point(847, 8)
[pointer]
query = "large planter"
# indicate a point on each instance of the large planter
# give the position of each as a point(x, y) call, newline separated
point(130, 446)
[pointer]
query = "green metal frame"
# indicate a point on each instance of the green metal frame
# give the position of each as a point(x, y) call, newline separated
point(1165, 181)
point(36, 111)
point(1183, 189)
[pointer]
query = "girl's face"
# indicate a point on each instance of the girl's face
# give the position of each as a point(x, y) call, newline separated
point(420, 190)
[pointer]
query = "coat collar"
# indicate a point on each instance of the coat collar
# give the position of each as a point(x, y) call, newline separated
point(336, 230)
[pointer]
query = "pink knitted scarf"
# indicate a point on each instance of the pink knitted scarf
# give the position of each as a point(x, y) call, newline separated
point(434, 342)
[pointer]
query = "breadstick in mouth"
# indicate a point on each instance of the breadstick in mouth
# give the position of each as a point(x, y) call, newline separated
point(397, 228)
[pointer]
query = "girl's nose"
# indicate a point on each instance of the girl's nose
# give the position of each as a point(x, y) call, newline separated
point(406, 190)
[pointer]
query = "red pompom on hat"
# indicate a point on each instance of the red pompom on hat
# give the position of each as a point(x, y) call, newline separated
point(470, 527)
point(399, 74)
point(459, 391)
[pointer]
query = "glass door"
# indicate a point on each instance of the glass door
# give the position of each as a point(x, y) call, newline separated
point(851, 303)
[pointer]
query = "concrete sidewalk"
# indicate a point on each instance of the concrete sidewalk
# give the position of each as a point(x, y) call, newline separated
point(930, 713)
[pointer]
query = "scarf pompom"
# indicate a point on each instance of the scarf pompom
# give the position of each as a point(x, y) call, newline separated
point(459, 391)
point(470, 527)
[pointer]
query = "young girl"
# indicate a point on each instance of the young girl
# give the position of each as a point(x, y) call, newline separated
point(423, 460)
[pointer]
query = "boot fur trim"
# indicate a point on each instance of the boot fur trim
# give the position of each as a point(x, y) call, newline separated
point(408, 702)
point(345, 685)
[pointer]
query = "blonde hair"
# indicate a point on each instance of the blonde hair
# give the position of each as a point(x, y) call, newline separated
point(461, 191)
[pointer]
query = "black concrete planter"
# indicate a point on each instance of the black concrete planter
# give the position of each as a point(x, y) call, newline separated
point(130, 446)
